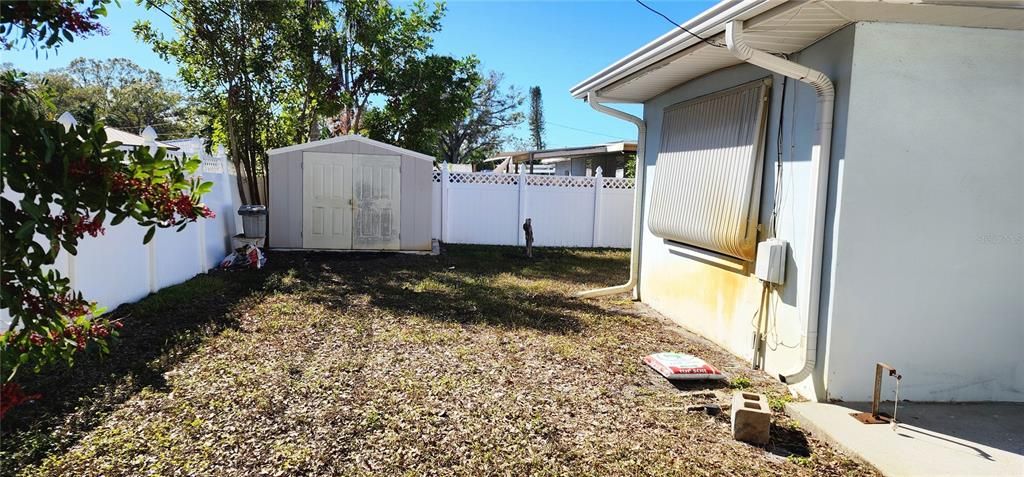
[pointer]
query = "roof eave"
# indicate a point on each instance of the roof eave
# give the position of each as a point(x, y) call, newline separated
point(709, 23)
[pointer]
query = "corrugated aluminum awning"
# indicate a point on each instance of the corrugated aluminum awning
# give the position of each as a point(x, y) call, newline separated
point(776, 26)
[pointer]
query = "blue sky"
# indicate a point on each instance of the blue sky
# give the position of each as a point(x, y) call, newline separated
point(549, 44)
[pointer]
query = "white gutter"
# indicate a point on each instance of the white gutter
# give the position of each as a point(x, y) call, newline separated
point(638, 199)
point(811, 296)
point(707, 24)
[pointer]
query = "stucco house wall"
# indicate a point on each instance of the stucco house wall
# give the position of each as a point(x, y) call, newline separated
point(923, 249)
point(930, 248)
point(718, 296)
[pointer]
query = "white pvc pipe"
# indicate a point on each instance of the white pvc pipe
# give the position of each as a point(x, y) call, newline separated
point(809, 290)
point(638, 196)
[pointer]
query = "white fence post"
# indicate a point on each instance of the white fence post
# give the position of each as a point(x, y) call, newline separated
point(445, 217)
point(67, 120)
point(149, 140)
point(196, 147)
point(598, 186)
point(522, 204)
point(72, 271)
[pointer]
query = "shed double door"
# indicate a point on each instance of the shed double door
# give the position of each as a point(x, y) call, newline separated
point(351, 201)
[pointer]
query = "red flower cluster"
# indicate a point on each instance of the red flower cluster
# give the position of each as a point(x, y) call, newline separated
point(73, 306)
point(11, 395)
point(120, 182)
point(81, 335)
point(206, 212)
point(168, 205)
point(68, 305)
point(33, 304)
point(77, 22)
point(85, 225)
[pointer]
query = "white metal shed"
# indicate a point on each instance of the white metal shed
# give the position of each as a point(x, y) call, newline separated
point(349, 193)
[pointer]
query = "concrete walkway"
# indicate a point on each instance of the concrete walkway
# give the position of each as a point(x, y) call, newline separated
point(983, 439)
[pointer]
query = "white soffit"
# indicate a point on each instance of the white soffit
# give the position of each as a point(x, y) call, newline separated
point(787, 28)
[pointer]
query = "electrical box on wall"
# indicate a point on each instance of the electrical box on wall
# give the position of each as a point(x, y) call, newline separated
point(771, 261)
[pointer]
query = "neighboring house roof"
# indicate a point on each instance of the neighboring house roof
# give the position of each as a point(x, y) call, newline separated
point(132, 140)
point(565, 153)
point(776, 26)
point(352, 137)
point(193, 145)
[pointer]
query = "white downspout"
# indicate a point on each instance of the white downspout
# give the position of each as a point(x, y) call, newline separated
point(638, 196)
point(810, 298)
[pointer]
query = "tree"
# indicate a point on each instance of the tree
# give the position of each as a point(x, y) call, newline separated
point(536, 119)
point(229, 58)
point(61, 184)
point(428, 94)
point(46, 24)
point(120, 93)
point(377, 42)
point(482, 130)
point(311, 43)
point(268, 72)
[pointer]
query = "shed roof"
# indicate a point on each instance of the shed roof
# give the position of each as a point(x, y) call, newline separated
point(776, 26)
point(356, 138)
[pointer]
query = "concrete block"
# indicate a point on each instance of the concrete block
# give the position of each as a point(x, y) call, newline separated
point(751, 417)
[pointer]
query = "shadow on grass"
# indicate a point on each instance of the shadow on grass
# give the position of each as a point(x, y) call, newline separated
point(160, 331)
point(468, 284)
point(788, 441)
point(495, 286)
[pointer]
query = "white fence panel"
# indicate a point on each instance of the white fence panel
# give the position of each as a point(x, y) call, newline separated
point(566, 211)
point(116, 267)
point(561, 209)
point(176, 255)
point(435, 203)
point(113, 268)
point(224, 201)
point(482, 208)
point(616, 203)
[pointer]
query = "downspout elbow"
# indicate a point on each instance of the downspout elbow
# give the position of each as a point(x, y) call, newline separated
point(638, 183)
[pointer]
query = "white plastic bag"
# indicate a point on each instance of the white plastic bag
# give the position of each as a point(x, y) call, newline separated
point(246, 256)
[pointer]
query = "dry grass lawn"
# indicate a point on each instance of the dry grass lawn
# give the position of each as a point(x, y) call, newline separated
point(475, 362)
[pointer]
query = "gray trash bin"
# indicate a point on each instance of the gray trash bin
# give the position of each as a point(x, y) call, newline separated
point(254, 220)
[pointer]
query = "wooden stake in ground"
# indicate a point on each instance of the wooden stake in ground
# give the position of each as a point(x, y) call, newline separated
point(528, 229)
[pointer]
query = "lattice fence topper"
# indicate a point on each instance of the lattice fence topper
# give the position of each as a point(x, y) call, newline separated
point(478, 178)
point(579, 182)
point(213, 165)
point(617, 183)
point(560, 181)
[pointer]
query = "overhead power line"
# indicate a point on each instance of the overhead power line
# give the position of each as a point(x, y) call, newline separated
point(662, 15)
point(586, 131)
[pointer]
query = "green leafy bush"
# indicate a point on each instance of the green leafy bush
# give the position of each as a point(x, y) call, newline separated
point(59, 186)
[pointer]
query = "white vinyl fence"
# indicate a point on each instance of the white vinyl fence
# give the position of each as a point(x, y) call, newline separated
point(116, 267)
point(566, 211)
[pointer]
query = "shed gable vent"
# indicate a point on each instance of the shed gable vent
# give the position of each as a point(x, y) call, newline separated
point(707, 180)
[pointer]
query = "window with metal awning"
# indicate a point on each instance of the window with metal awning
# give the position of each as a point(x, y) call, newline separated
point(707, 180)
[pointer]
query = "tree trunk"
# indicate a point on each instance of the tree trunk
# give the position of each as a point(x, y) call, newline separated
point(235, 151)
